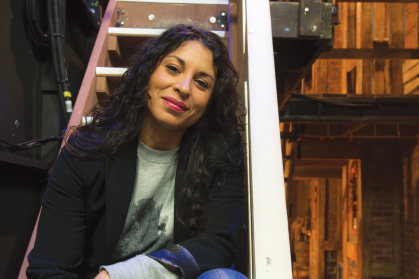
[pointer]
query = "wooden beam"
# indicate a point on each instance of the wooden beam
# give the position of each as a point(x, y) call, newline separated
point(352, 53)
point(329, 150)
point(317, 171)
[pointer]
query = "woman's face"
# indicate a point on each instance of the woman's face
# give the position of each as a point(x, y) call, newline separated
point(181, 87)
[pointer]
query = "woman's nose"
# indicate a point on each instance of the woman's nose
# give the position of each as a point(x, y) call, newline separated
point(184, 85)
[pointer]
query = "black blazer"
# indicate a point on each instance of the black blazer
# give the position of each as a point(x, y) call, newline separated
point(85, 205)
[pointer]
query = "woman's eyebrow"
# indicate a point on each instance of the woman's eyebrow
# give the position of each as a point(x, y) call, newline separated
point(181, 61)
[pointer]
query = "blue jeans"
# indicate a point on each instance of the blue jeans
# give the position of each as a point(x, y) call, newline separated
point(222, 273)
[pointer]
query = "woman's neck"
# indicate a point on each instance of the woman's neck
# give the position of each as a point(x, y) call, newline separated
point(159, 138)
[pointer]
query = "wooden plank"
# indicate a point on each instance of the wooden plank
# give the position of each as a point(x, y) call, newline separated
point(364, 41)
point(344, 222)
point(380, 32)
point(146, 32)
point(322, 76)
point(411, 28)
point(102, 85)
point(411, 86)
point(353, 53)
point(352, 250)
point(110, 71)
point(113, 46)
point(351, 26)
point(383, 270)
point(411, 73)
point(321, 201)
point(396, 15)
point(364, 213)
point(408, 64)
point(380, 78)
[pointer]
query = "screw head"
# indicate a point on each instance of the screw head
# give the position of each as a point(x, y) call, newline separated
point(222, 25)
point(151, 17)
point(122, 23)
point(306, 9)
point(212, 19)
point(314, 28)
point(223, 14)
point(92, 11)
point(17, 123)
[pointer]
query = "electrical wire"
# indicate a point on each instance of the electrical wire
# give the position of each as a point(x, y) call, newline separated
point(9, 147)
point(37, 35)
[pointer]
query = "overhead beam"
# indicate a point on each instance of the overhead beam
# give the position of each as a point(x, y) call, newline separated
point(353, 53)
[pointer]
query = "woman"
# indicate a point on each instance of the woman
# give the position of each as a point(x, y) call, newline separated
point(153, 187)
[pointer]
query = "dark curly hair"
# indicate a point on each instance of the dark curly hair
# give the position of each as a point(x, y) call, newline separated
point(117, 122)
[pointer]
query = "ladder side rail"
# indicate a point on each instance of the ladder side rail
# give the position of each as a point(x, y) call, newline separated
point(86, 98)
point(272, 257)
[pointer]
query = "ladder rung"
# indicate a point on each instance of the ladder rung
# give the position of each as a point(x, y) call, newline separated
point(146, 32)
point(208, 2)
point(110, 71)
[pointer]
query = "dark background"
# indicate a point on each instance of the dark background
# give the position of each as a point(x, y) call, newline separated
point(28, 97)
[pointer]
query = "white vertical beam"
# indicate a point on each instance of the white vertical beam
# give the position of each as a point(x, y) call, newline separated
point(270, 225)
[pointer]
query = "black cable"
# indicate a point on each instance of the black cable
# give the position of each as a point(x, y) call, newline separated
point(9, 147)
point(37, 35)
point(57, 57)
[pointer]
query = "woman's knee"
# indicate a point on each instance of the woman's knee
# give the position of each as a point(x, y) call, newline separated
point(222, 273)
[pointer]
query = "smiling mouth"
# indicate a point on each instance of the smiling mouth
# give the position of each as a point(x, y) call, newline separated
point(174, 104)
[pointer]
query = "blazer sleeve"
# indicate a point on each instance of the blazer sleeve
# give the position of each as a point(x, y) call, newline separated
point(216, 245)
point(59, 244)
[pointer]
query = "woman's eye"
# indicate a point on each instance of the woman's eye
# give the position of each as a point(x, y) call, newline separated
point(172, 69)
point(202, 83)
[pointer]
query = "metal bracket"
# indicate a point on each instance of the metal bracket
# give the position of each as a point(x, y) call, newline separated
point(222, 19)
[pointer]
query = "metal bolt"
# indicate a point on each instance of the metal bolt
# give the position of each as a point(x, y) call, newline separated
point(212, 19)
point(122, 23)
point(287, 30)
point(222, 26)
point(314, 28)
point(306, 9)
point(223, 14)
point(151, 17)
point(17, 123)
point(92, 11)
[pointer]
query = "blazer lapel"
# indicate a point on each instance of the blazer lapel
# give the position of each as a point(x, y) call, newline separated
point(180, 231)
point(120, 179)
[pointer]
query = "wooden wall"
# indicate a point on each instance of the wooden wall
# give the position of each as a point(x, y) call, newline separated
point(374, 26)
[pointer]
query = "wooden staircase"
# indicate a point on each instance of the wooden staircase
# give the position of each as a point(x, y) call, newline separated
point(128, 24)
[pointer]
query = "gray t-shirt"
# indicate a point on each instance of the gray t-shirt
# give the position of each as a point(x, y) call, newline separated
point(150, 218)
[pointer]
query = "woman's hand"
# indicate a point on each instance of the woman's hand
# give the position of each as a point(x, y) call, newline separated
point(103, 275)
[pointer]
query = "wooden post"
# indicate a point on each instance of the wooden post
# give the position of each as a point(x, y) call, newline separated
point(364, 215)
point(363, 28)
point(396, 11)
point(344, 222)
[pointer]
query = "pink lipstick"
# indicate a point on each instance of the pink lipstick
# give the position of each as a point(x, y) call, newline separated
point(175, 104)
